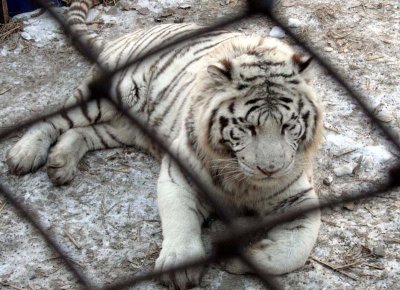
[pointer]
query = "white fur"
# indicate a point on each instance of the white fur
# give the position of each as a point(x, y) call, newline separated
point(211, 82)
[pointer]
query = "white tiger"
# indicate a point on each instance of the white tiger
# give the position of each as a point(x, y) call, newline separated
point(240, 109)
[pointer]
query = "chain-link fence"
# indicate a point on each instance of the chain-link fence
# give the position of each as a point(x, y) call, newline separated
point(232, 244)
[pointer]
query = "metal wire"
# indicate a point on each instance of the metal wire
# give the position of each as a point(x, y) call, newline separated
point(235, 235)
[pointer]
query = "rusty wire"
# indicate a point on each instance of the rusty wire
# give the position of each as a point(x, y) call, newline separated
point(235, 235)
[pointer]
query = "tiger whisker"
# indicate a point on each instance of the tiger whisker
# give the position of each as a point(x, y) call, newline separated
point(227, 173)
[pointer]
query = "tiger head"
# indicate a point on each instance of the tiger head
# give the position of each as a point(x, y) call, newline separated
point(259, 117)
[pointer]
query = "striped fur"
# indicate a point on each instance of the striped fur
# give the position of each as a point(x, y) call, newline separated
point(76, 20)
point(239, 109)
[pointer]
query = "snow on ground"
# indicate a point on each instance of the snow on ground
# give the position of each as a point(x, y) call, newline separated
point(110, 207)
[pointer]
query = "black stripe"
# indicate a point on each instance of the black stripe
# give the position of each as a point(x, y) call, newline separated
point(211, 123)
point(300, 105)
point(75, 21)
point(64, 114)
point(185, 100)
point(286, 107)
point(167, 110)
point(189, 126)
point(98, 102)
point(286, 100)
point(231, 135)
point(212, 45)
point(84, 106)
point(242, 86)
point(136, 90)
point(170, 171)
point(283, 75)
point(114, 137)
point(251, 110)
point(290, 201)
point(119, 43)
point(90, 146)
point(163, 35)
point(262, 64)
point(149, 37)
point(223, 122)
point(84, 3)
point(164, 54)
point(275, 194)
point(305, 120)
point(103, 142)
point(254, 101)
point(250, 79)
point(51, 123)
point(172, 85)
point(185, 49)
point(252, 130)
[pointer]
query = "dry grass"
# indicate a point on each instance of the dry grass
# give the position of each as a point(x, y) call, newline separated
point(327, 12)
point(8, 29)
point(97, 2)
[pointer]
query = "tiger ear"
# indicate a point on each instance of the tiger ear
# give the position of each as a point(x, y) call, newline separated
point(302, 62)
point(221, 71)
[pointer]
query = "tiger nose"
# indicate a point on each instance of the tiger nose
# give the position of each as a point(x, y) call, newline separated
point(268, 172)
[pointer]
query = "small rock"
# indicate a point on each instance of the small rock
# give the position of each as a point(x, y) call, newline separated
point(4, 52)
point(143, 11)
point(185, 7)
point(25, 35)
point(384, 114)
point(327, 180)
point(346, 169)
point(328, 49)
point(348, 206)
point(166, 12)
point(293, 22)
point(125, 6)
point(379, 251)
point(277, 32)
point(353, 66)
point(179, 19)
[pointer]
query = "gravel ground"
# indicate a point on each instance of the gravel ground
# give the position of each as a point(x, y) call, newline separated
point(107, 220)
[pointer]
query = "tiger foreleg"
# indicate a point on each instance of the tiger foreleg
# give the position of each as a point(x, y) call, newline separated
point(286, 247)
point(73, 145)
point(181, 227)
point(31, 151)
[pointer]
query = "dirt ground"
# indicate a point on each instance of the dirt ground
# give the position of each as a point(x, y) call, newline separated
point(107, 220)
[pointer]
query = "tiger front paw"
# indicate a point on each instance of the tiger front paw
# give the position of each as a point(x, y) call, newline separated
point(27, 155)
point(61, 167)
point(175, 254)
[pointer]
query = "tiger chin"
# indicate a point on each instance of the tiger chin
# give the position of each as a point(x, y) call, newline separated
point(239, 109)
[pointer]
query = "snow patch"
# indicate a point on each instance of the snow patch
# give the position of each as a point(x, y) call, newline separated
point(43, 29)
point(337, 142)
point(374, 156)
point(158, 6)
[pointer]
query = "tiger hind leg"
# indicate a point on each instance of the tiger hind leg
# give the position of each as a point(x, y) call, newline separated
point(31, 151)
point(73, 145)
